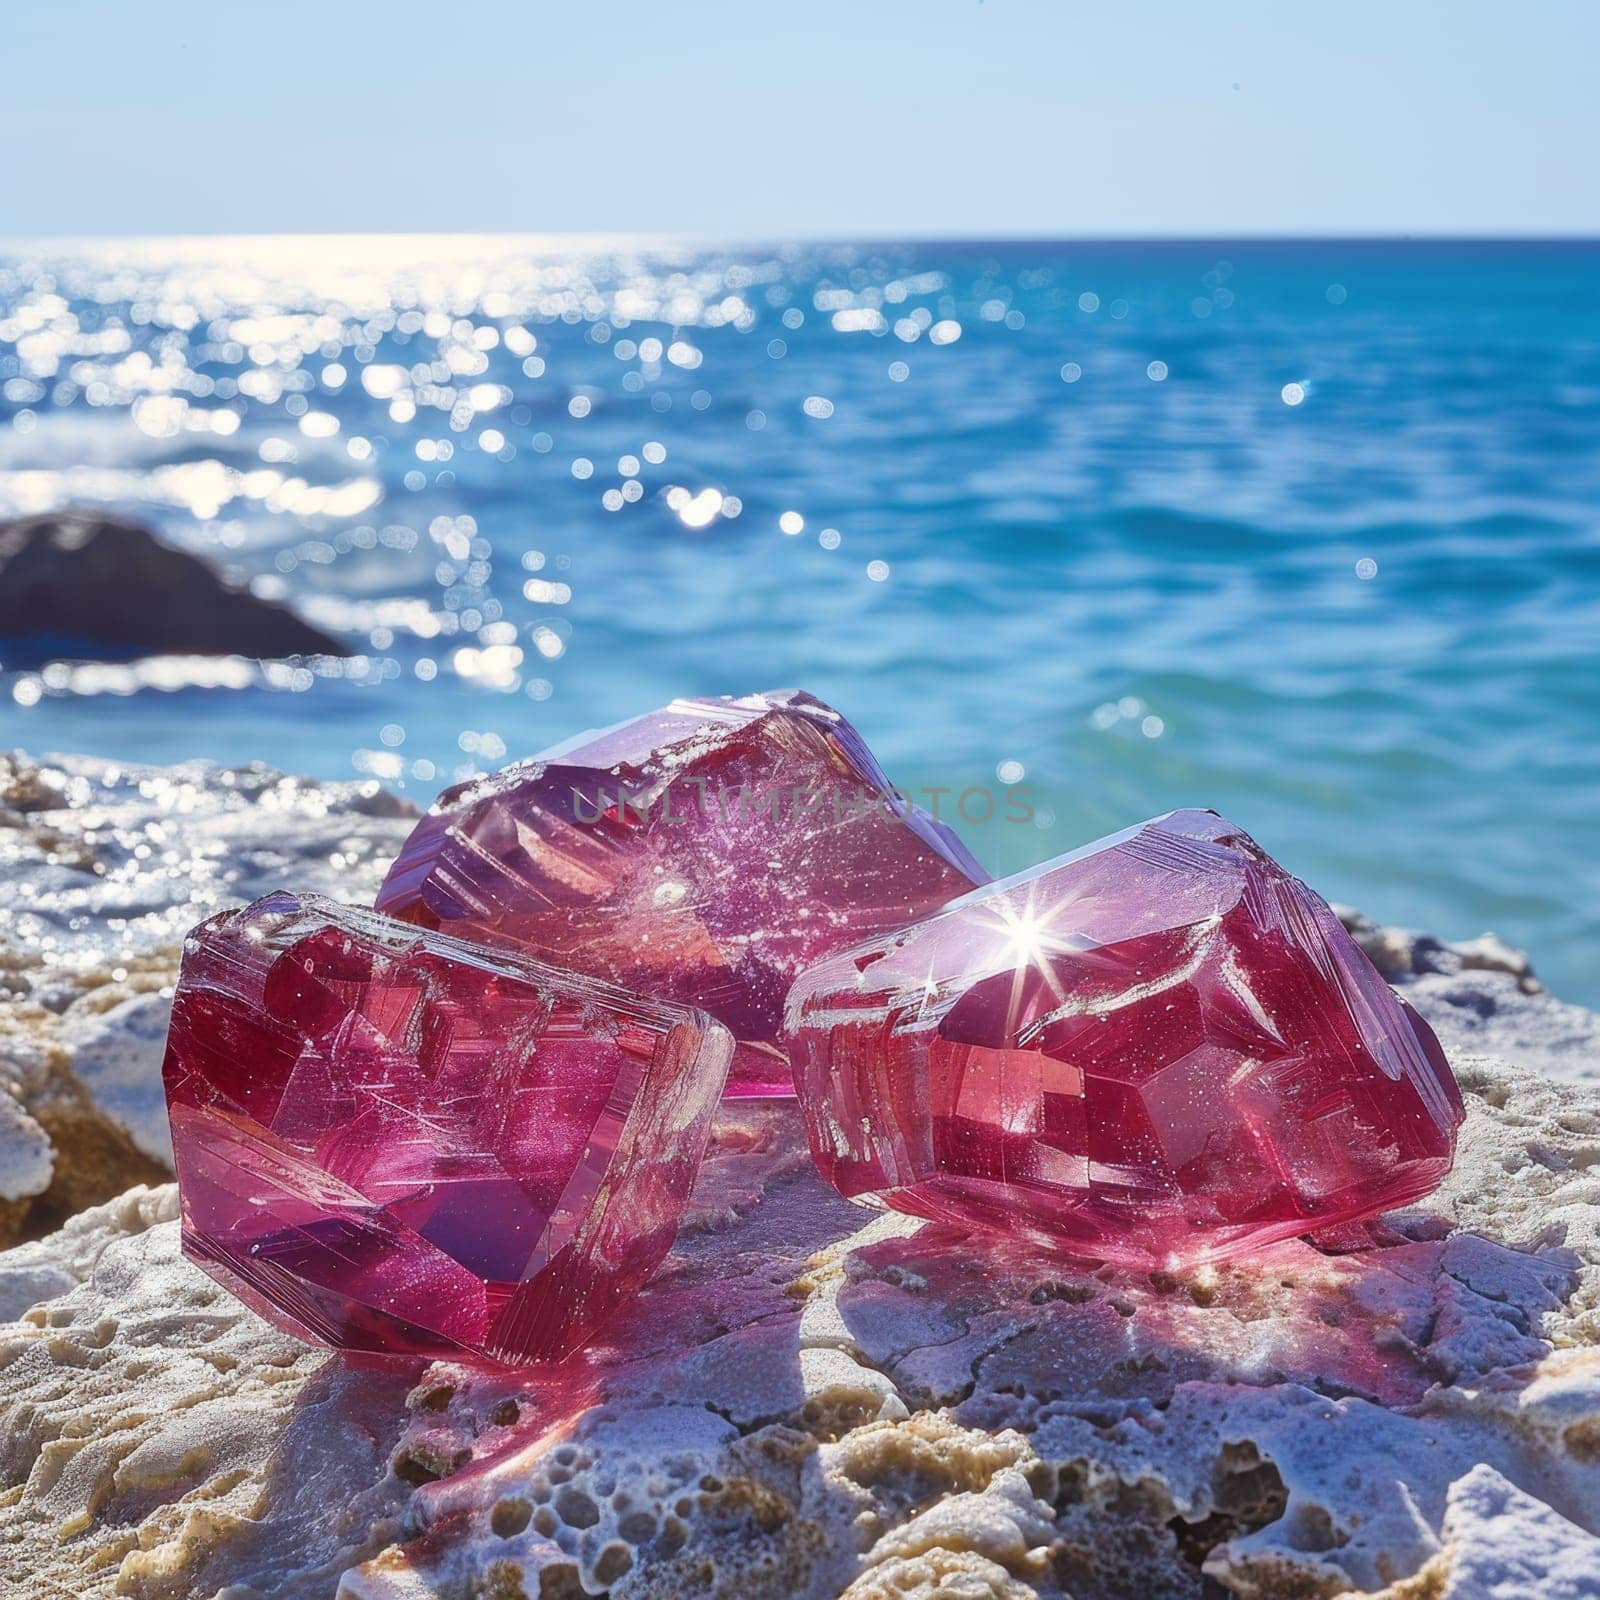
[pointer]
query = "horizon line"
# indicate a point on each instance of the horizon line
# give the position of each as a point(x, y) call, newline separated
point(578, 239)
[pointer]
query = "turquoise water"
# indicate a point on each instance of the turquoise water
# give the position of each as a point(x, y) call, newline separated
point(1308, 532)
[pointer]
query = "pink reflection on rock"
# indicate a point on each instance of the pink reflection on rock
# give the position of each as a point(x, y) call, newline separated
point(1158, 1050)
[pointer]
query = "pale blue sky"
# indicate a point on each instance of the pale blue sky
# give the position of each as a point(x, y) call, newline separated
point(723, 119)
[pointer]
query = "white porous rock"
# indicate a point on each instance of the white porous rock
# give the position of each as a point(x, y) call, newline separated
point(106, 866)
point(115, 1054)
point(815, 1401)
point(48, 1267)
point(158, 1440)
point(1502, 1544)
point(1482, 995)
point(26, 1157)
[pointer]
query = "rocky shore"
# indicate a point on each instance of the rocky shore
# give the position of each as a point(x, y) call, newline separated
point(810, 1400)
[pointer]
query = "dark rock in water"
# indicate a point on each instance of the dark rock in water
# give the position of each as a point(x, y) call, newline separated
point(89, 583)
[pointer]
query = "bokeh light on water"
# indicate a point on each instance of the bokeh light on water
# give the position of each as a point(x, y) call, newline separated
point(1304, 532)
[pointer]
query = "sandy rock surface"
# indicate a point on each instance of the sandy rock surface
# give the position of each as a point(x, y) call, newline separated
point(811, 1399)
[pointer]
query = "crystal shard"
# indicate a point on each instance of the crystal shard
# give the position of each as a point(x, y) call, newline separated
point(390, 1141)
point(1158, 1050)
point(705, 852)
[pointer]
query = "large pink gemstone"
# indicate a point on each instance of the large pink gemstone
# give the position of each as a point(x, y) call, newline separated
point(390, 1141)
point(706, 852)
point(1158, 1050)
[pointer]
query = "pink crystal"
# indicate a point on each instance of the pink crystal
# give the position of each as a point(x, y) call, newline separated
point(390, 1141)
point(1158, 1050)
point(705, 852)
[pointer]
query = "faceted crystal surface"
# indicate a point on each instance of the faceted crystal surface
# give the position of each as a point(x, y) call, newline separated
point(706, 852)
point(1158, 1050)
point(390, 1141)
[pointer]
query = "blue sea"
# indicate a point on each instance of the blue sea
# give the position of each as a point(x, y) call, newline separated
point(1308, 532)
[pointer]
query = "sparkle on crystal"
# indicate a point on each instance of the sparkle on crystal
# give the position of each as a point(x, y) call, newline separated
point(390, 1141)
point(705, 852)
point(1157, 1050)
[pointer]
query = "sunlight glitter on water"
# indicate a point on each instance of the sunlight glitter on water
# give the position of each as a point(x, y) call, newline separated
point(1336, 548)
